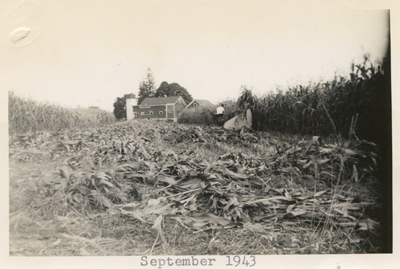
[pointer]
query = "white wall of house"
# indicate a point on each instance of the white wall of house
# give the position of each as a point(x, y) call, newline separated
point(129, 110)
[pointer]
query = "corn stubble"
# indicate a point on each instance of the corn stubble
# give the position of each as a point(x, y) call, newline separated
point(137, 189)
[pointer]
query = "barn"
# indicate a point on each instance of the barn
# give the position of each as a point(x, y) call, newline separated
point(166, 108)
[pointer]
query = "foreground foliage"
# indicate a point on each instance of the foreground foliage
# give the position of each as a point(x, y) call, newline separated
point(193, 190)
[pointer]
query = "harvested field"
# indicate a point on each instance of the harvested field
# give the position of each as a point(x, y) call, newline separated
point(159, 188)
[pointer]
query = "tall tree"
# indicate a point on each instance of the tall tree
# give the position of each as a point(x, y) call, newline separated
point(120, 106)
point(173, 89)
point(164, 90)
point(147, 86)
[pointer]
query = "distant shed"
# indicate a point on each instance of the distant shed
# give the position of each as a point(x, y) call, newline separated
point(199, 102)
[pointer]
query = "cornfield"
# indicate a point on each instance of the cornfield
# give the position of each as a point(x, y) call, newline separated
point(343, 106)
point(30, 116)
point(346, 107)
point(81, 186)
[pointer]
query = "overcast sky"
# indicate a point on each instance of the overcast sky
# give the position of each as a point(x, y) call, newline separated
point(88, 53)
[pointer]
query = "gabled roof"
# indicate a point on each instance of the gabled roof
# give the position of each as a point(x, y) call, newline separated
point(160, 100)
point(201, 102)
point(204, 102)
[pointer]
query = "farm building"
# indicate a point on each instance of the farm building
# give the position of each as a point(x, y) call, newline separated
point(198, 102)
point(166, 108)
point(129, 110)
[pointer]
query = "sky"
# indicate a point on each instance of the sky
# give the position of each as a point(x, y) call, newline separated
point(88, 53)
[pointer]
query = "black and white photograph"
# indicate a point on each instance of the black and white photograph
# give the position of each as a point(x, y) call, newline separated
point(207, 134)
